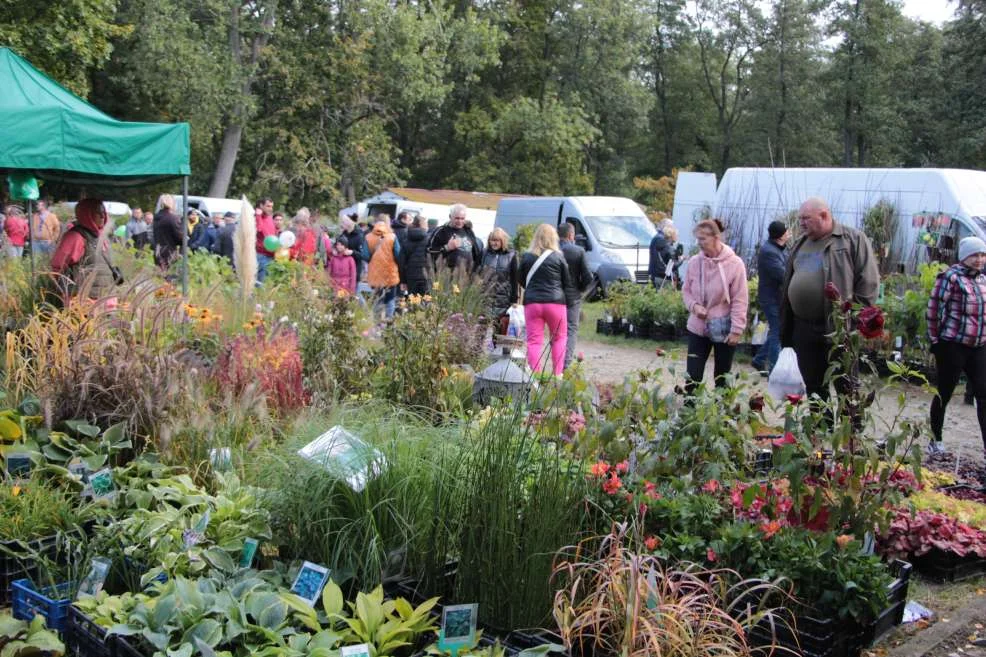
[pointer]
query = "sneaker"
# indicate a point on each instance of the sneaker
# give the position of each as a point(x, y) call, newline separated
point(935, 449)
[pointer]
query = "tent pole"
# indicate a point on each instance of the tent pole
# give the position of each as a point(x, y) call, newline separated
point(184, 237)
point(30, 231)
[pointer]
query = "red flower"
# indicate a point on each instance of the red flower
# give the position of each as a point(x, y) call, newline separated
point(580, 356)
point(756, 403)
point(650, 490)
point(870, 322)
point(659, 351)
point(711, 486)
point(599, 469)
point(788, 439)
point(832, 292)
point(711, 555)
point(612, 485)
point(651, 542)
point(846, 306)
point(623, 467)
point(795, 399)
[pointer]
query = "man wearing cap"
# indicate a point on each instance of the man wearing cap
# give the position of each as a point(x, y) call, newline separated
point(827, 252)
point(957, 331)
point(771, 263)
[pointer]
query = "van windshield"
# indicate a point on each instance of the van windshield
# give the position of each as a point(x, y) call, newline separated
point(622, 231)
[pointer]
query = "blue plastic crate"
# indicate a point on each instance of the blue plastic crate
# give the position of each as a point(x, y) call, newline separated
point(29, 602)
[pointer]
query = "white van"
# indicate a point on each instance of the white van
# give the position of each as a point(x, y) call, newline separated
point(614, 231)
point(207, 205)
point(936, 207)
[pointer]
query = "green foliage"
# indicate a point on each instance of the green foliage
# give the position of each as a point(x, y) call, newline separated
point(22, 639)
point(38, 510)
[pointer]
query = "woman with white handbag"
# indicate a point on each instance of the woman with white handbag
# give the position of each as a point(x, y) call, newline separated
point(716, 296)
point(544, 276)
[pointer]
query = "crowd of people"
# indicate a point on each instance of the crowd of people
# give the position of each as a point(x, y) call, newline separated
point(400, 257)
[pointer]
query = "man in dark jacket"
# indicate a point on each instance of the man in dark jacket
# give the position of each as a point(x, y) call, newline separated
point(579, 280)
point(413, 260)
point(167, 231)
point(455, 244)
point(357, 244)
point(661, 253)
point(401, 224)
point(771, 265)
point(224, 240)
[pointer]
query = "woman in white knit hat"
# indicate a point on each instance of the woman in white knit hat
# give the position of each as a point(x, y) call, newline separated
point(957, 329)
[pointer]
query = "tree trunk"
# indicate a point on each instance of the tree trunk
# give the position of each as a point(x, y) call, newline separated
point(227, 160)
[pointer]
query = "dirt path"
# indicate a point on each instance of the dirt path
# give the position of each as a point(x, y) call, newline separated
point(610, 363)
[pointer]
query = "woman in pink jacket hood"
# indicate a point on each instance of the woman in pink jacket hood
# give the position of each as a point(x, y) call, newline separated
point(716, 297)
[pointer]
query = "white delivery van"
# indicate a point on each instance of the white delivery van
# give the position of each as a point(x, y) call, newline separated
point(207, 205)
point(936, 207)
point(614, 231)
point(482, 220)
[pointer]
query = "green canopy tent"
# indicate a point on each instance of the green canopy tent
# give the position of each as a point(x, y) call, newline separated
point(49, 132)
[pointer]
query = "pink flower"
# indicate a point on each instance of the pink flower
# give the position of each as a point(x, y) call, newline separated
point(623, 467)
point(711, 555)
point(580, 356)
point(788, 439)
point(795, 399)
point(651, 542)
point(711, 486)
point(612, 485)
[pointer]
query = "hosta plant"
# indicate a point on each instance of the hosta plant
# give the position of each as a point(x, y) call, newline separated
point(22, 639)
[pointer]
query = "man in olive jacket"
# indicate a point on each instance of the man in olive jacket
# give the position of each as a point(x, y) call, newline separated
point(827, 252)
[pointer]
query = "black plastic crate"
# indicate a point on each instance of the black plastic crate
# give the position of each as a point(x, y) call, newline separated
point(14, 567)
point(944, 567)
point(127, 646)
point(84, 638)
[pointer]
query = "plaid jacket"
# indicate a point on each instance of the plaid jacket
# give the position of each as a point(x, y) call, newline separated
point(957, 307)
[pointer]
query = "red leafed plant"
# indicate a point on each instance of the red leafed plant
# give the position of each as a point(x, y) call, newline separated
point(268, 359)
point(915, 534)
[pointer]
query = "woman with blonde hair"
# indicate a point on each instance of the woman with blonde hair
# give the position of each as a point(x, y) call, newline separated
point(500, 266)
point(716, 297)
point(544, 277)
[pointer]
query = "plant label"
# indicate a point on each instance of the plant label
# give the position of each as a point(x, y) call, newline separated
point(101, 484)
point(250, 546)
point(362, 650)
point(458, 627)
point(95, 578)
point(310, 581)
point(221, 458)
point(869, 543)
point(77, 468)
point(342, 453)
point(18, 465)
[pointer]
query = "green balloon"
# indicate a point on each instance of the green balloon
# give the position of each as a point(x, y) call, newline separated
point(121, 231)
point(271, 243)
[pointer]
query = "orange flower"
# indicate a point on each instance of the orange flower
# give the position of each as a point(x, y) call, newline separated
point(599, 469)
point(842, 540)
point(612, 485)
point(652, 542)
point(623, 467)
point(770, 528)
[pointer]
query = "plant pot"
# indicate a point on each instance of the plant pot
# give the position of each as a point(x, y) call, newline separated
point(84, 638)
point(663, 332)
point(519, 640)
point(51, 603)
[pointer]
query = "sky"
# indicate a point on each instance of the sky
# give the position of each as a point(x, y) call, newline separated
point(933, 11)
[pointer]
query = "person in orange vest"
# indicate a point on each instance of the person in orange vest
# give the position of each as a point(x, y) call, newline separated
point(383, 274)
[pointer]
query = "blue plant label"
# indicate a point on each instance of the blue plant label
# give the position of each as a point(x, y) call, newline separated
point(458, 627)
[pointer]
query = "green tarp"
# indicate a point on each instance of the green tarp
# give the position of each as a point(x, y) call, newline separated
point(49, 131)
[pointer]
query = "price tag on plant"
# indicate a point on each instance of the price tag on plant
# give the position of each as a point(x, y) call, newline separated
point(361, 650)
point(95, 578)
point(250, 546)
point(221, 458)
point(310, 581)
point(101, 484)
point(18, 466)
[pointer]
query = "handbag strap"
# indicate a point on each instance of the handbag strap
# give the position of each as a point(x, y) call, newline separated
point(544, 256)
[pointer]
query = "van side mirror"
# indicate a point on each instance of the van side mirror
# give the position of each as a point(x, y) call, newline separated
point(583, 241)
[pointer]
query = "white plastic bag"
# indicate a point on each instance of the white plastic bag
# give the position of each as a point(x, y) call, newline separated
point(785, 379)
point(759, 332)
point(517, 324)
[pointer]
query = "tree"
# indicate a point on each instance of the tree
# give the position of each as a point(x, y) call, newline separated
point(66, 39)
point(728, 33)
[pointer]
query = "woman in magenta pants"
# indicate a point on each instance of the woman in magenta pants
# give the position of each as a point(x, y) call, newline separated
point(544, 277)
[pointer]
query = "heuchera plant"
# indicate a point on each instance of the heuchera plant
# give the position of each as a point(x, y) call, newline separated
point(921, 532)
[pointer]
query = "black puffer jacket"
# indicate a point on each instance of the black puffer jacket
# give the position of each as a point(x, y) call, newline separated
point(413, 261)
point(501, 267)
point(549, 281)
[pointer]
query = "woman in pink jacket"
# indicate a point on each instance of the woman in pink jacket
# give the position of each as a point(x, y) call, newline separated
point(342, 267)
point(716, 297)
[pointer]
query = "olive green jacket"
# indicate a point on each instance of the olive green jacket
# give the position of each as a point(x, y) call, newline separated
point(848, 262)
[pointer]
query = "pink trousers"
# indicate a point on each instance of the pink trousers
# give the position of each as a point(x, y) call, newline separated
point(555, 317)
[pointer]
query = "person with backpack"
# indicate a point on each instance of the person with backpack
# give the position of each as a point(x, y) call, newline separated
point(84, 254)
